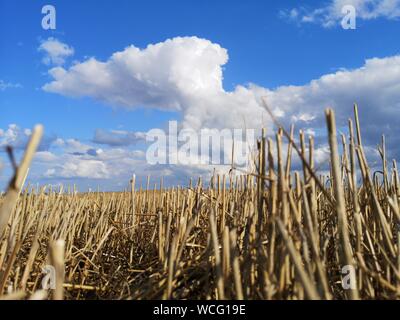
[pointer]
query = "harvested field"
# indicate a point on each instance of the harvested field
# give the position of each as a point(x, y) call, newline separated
point(268, 234)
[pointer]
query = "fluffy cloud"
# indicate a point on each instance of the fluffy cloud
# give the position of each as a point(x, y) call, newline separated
point(180, 74)
point(186, 75)
point(55, 52)
point(14, 136)
point(67, 160)
point(45, 157)
point(112, 165)
point(331, 14)
point(161, 75)
point(375, 87)
point(17, 138)
point(74, 159)
point(79, 168)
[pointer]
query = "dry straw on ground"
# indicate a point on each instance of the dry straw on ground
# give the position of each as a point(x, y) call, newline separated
point(267, 234)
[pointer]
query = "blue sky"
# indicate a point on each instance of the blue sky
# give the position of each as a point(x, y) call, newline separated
point(267, 42)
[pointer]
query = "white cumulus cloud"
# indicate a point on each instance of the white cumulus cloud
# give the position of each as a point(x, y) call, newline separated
point(161, 75)
point(55, 52)
point(185, 75)
point(79, 168)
